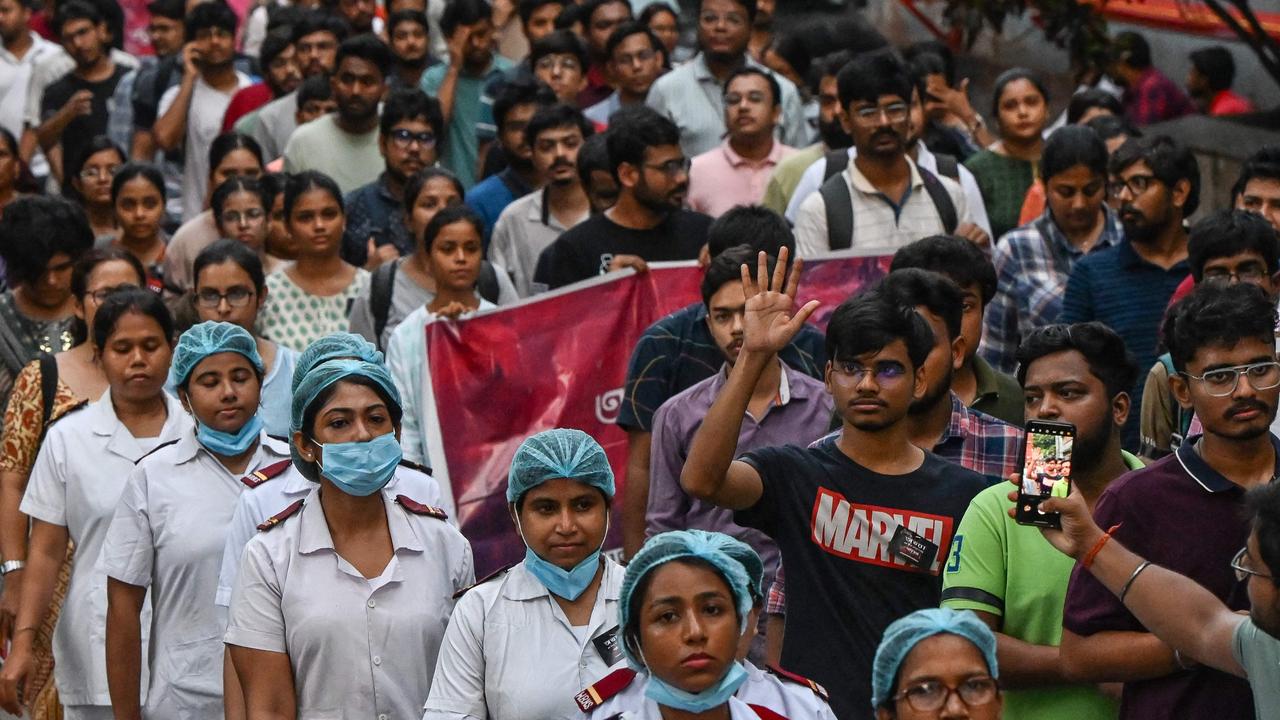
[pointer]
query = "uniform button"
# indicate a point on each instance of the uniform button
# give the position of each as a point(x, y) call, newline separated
point(377, 660)
point(372, 603)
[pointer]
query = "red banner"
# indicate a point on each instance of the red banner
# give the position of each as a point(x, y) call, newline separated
point(560, 360)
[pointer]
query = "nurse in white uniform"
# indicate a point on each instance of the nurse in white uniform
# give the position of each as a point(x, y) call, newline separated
point(342, 600)
point(523, 641)
point(75, 485)
point(167, 532)
point(684, 608)
point(772, 688)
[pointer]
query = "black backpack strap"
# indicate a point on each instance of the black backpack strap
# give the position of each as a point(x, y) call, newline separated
point(48, 390)
point(941, 200)
point(487, 283)
point(380, 287)
point(839, 210)
point(837, 161)
point(948, 166)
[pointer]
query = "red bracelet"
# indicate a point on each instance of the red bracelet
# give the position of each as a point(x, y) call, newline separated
point(1093, 553)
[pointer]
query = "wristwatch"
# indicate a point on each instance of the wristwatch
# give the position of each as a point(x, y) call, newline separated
point(976, 122)
point(9, 566)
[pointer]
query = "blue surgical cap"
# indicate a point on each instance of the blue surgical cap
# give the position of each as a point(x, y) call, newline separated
point(559, 453)
point(748, 558)
point(907, 632)
point(331, 347)
point(309, 386)
point(677, 545)
point(210, 338)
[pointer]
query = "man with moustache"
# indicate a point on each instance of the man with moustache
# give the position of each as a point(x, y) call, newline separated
point(410, 39)
point(636, 58)
point(1127, 286)
point(882, 198)
point(530, 224)
point(344, 145)
point(190, 113)
point(648, 221)
point(692, 95)
point(407, 132)
point(1185, 512)
point(1007, 573)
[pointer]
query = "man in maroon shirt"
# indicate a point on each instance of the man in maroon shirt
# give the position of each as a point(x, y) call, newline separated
point(1149, 95)
point(280, 76)
point(1186, 511)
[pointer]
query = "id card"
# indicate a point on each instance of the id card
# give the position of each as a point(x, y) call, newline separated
point(913, 549)
point(608, 646)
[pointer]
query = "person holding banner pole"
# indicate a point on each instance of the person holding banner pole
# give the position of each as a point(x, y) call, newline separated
point(524, 640)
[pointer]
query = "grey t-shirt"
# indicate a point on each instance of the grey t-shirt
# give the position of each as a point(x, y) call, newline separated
point(1259, 654)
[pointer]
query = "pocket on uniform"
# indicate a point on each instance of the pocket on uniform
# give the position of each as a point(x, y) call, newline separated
point(187, 682)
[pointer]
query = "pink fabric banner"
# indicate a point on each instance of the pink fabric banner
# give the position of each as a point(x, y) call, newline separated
point(560, 360)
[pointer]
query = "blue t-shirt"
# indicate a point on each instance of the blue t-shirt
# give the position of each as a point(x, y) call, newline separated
point(472, 121)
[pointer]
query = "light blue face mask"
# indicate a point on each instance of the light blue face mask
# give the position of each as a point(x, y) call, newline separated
point(229, 444)
point(361, 468)
point(714, 696)
point(568, 584)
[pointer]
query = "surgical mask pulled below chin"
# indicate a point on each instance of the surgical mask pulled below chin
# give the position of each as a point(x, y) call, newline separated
point(673, 697)
point(568, 584)
point(229, 444)
point(361, 468)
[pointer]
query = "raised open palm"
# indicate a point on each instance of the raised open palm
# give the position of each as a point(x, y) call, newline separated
point(768, 324)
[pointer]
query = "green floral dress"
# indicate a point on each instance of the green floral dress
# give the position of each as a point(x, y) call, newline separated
point(295, 318)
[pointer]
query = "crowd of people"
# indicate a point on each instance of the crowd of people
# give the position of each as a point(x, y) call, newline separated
point(224, 226)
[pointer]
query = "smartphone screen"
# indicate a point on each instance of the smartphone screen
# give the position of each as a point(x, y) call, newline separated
point(1046, 469)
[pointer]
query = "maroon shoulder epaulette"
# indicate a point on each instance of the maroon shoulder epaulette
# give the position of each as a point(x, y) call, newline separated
point(415, 466)
point(261, 475)
point(281, 516)
point(604, 688)
point(765, 713)
point(418, 508)
point(496, 573)
point(799, 680)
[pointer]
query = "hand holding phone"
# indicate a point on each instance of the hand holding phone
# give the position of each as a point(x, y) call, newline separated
point(1046, 470)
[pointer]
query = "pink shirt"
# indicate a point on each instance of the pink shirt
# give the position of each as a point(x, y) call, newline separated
point(721, 179)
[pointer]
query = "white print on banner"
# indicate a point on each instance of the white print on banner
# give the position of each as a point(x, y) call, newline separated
point(863, 532)
point(609, 405)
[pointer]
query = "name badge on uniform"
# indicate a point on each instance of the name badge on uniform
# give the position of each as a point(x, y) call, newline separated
point(608, 646)
point(913, 549)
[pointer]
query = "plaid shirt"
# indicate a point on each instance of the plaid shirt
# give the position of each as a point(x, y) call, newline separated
point(973, 440)
point(1154, 98)
point(1032, 263)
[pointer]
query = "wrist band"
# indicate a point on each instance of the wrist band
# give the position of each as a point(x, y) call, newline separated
point(1129, 583)
point(1087, 562)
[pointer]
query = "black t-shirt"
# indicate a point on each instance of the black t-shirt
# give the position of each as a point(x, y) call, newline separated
point(585, 250)
point(833, 521)
point(78, 133)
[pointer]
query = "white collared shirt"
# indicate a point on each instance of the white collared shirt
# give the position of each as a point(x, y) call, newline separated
point(255, 505)
point(876, 222)
point(76, 482)
point(511, 654)
point(359, 647)
point(15, 76)
point(167, 534)
point(524, 229)
point(792, 701)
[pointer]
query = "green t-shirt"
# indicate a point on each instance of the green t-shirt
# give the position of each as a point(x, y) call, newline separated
point(1259, 654)
point(1010, 570)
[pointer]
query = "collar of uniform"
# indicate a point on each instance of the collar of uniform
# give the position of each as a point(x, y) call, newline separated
point(864, 186)
point(106, 423)
point(522, 585)
point(784, 382)
point(1204, 475)
point(187, 447)
point(314, 535)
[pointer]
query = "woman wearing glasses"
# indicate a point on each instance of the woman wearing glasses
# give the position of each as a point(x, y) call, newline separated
point(240, 210)
point(1006, 170)
point(87, 180)
point(74, 376)
point(137, 197)
point(230, 286)
point(936, 663)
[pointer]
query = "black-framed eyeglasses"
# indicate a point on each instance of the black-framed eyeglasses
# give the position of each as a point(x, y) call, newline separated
point(552, 62)
point(1223, 381)
point(236, 297)
point(102, 294)
point(931, 695)
point(404, 138)
point(1242, 572)
point(893, 112)
point(1136, 184)
point(672, 168)
point(1252, 274)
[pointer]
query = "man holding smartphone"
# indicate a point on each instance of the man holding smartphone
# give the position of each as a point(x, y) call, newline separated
point(1186, 511)
point(1007, 573)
